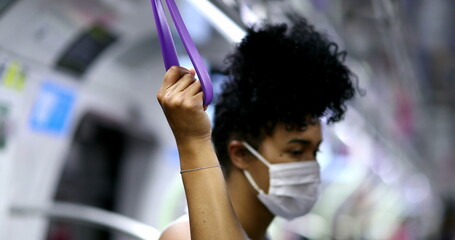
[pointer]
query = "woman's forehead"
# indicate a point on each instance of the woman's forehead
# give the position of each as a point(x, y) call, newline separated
point(281, 133)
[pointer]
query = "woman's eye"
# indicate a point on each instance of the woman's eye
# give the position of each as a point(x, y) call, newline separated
point(296, 153)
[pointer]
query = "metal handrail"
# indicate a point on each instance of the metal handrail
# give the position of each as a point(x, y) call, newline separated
point(81, 213)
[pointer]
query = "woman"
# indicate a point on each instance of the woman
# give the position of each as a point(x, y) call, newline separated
point(267, 131)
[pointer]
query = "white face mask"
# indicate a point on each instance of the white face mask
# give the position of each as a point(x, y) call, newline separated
point(293, 187)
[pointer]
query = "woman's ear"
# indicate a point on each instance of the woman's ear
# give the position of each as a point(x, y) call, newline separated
point(239, 154)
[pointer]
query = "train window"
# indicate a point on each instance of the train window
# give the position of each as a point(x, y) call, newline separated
point(78, 57)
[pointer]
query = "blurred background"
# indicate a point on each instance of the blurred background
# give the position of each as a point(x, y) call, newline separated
point(86, 153)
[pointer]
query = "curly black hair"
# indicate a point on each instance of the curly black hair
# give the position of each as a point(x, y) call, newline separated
point(280, 75)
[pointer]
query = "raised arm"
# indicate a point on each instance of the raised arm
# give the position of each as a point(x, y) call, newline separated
point(210, 210)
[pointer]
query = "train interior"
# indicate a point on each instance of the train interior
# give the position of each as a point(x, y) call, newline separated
point(86, 152)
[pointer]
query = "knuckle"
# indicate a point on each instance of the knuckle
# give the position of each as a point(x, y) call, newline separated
point(174, 69)
point(171, 74)
point(191, 105)
point(159, 96)
point(177, 101)
point(197, 84)
point(166, 99)
point(186, 77)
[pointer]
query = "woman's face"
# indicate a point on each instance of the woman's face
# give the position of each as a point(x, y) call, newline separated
point(285, 146)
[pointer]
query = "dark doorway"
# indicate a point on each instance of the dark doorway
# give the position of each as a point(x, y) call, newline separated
point(90, 175)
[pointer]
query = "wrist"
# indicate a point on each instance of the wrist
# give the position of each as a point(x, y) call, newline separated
point(196, 152)
point(193, 145)
point(185, 140)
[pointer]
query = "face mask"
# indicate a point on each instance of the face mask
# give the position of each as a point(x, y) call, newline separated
point(293, 187)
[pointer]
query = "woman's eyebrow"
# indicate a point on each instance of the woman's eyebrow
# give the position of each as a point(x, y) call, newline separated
point(303, 141)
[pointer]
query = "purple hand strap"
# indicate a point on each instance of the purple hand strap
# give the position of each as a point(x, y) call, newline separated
point(168, 47)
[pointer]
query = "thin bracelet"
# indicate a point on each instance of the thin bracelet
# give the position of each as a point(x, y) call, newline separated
point(196, 169)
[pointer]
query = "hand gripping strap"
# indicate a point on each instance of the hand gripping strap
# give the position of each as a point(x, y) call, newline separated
point(168, 47)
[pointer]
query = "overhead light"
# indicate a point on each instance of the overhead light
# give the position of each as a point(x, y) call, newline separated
point(247, 15)
point(230, 2)
point(222, 23)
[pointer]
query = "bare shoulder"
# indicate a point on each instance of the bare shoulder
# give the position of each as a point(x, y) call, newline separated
point(177, 231)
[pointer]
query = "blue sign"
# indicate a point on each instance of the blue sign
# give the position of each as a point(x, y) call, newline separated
point(52, 109)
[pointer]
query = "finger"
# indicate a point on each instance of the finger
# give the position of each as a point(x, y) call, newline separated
point(193, 89)
point(173, 75)
point(199, 98)
point(182, 83)
point(193, 72)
